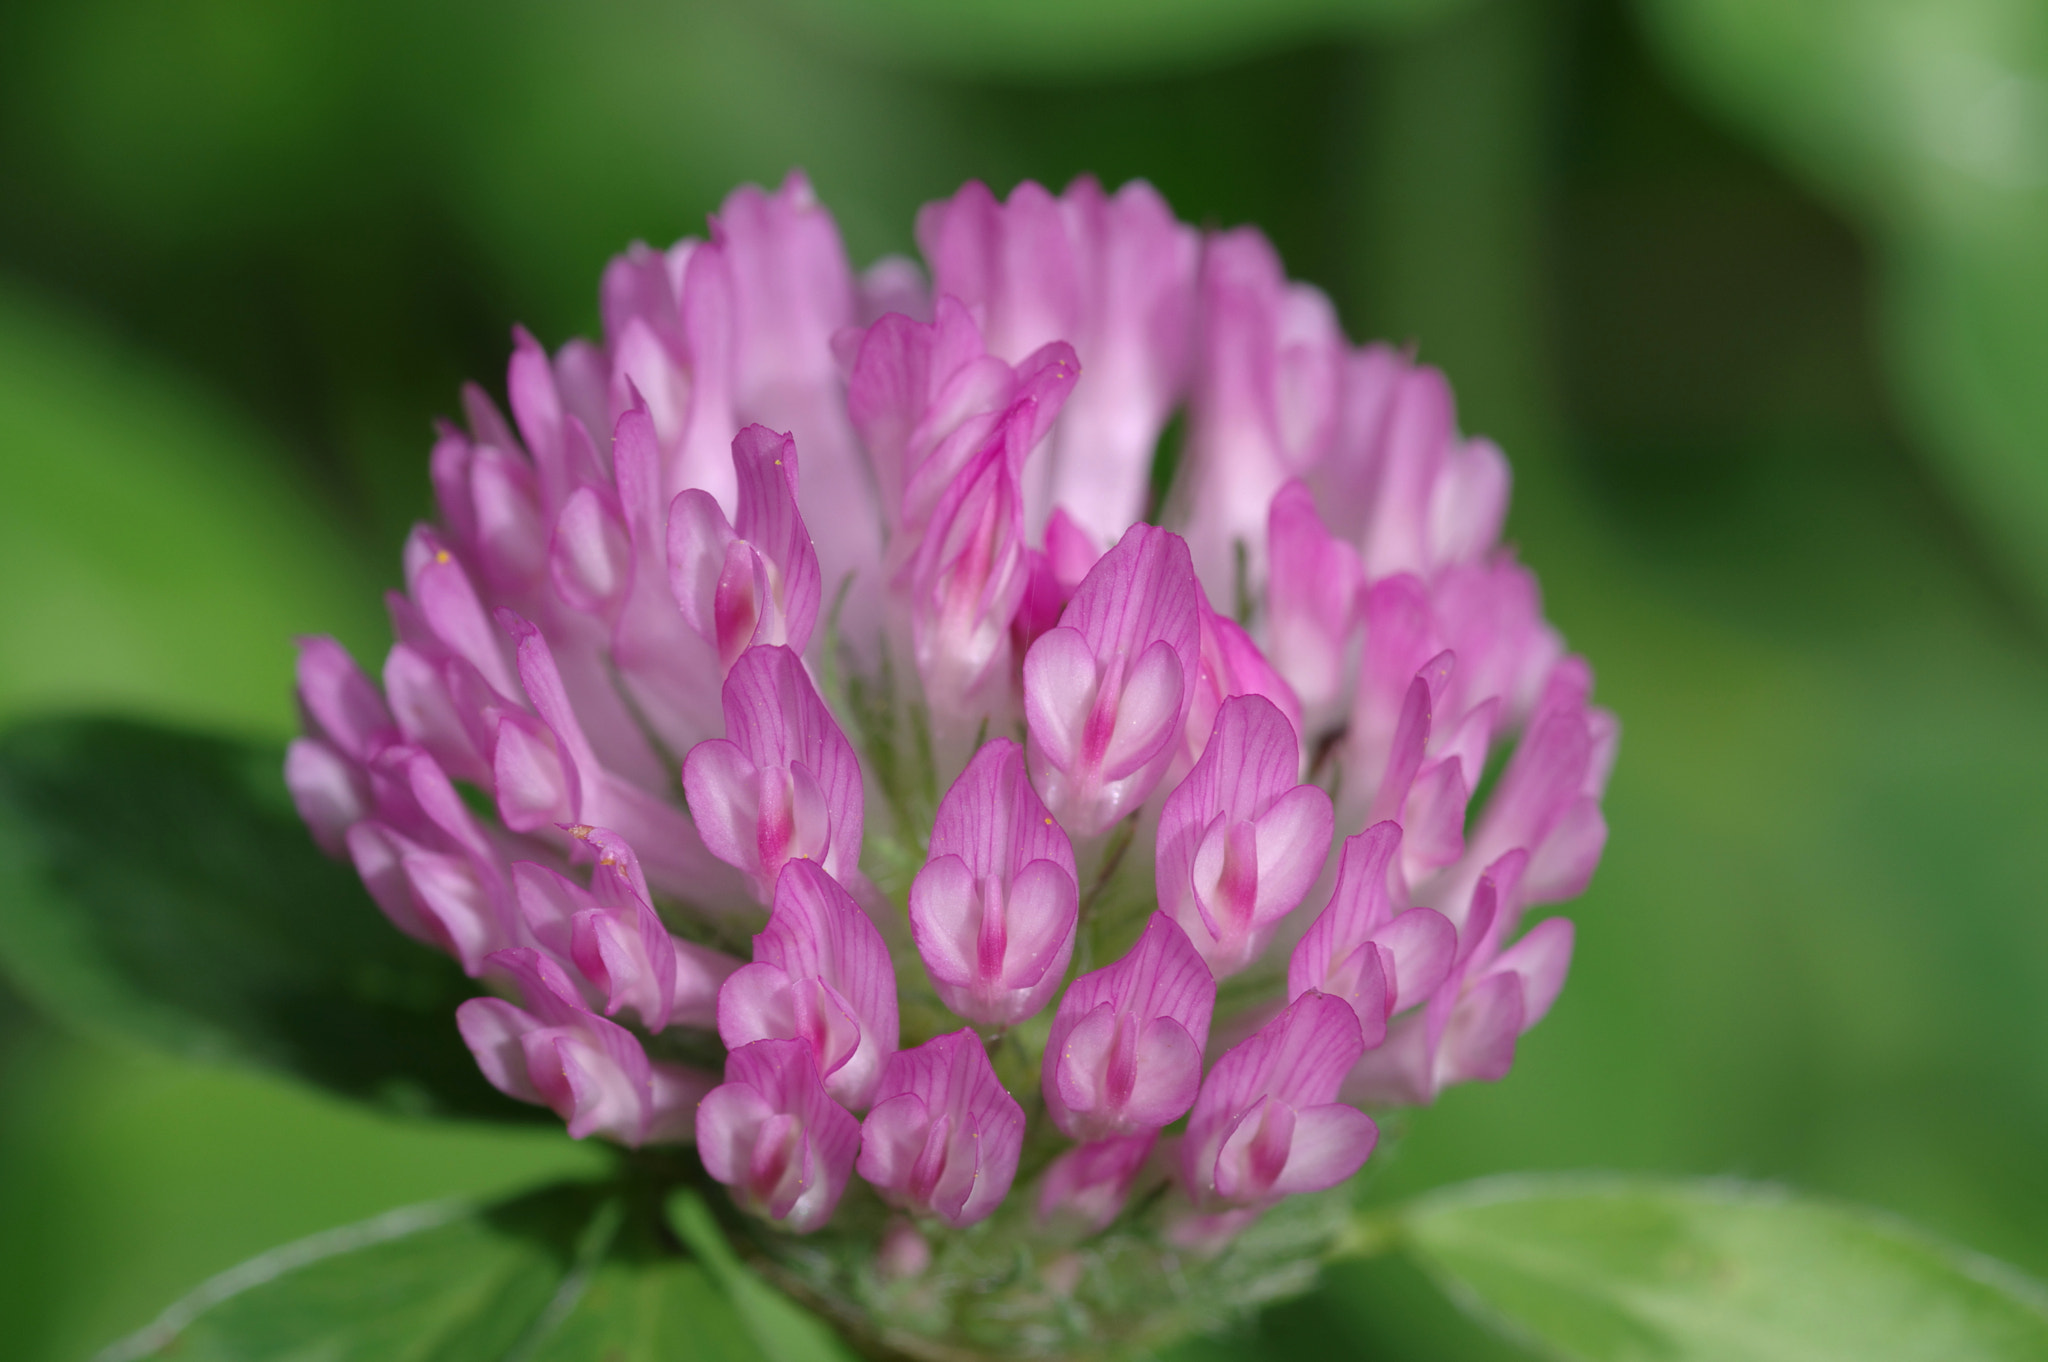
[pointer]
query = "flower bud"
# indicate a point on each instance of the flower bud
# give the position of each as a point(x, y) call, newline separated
point(1107, 692)
point(1240, 842)
point(993, 910)
point(1125, 1052)
point(1267, 1124)
point(1359, 949)
point(783, 783)
point(1087, 1186)
point(754, 581)
point(1313, 582)
point(771, 1134)
point(944, 1136)
point(592, 1072)
point(821, 973)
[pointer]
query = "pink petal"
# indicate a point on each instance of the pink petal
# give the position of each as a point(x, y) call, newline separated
point(533, 785)
point(721, 786)
point(1312, 599)
point(457, 908)
point(327, 789)
point(450, 607)
point(1330, 1144)
point(1147, 713)
point(511, 538)
point(491, 1028)
point(1095, 764)
point(1468, 503)
point(1417, 949)
point(429, 716)
point(772, 1097)
point(1359, 906)
point(728, 1119)
point(1162, 978)
point(769, 519)
point(699, 541)
point(945, 920)
point(1043, 907)
point(548, 904)
point(1479, 1041)
point(1089, 1185)
point(944, 1137)
point(1564, 863)
point(1242, 1123)
point(1434, 815)
point(1072, 550)
point(835, 964)
point(1293, 839)
point(1169, 1075)
point(1254, 1154)
point(1059, 692)
point(756, 1003)
point(1541, 958)
point(340, 701)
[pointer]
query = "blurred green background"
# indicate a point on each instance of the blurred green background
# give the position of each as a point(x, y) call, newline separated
point(1754, 292)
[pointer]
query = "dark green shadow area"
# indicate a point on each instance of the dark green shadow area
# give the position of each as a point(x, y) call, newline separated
point(160, 885)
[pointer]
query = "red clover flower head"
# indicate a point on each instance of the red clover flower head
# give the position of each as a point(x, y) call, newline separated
point(854, 710)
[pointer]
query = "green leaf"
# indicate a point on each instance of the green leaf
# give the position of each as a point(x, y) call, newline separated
point(783, 1330)
point(1927, 122)
point(158, 884)
point(1062, 37)
point(570, 1274)
point(1613, 1269)
point(157, 553)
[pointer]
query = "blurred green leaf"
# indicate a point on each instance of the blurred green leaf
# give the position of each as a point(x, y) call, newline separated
point(158, 884)
point(1609, 1268)
point(1928, 121)
point(157, 556)
point(1063, 37)
point(783, 1330)
point(569, 1274)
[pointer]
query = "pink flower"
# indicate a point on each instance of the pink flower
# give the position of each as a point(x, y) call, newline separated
point(1264, 408)
point(1240, 842)
point(1125, 1052)
point(943, 1137)
point(1089, 1185)
point(821, 973)
point(755, 581)
point(1107, 692)
point(783, 784)
point(1361, 950)
point(993, 910)
point(1268, 1124)
point(429, 863)
point(616, 940)
point(799, 566)
point(1312, 602)
point(1113, 275)
point(948, 428)
point(1475, 1016)
point(771, 1134)
point(1399, 479)
point(592, 1072)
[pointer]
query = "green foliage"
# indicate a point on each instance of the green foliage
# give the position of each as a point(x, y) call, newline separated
point(159, 884)
point(157, 556)
point(1928, 122)
point(783, 1330)
point(1023, 37)
point(1616, 1269)
point(570, 1274)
